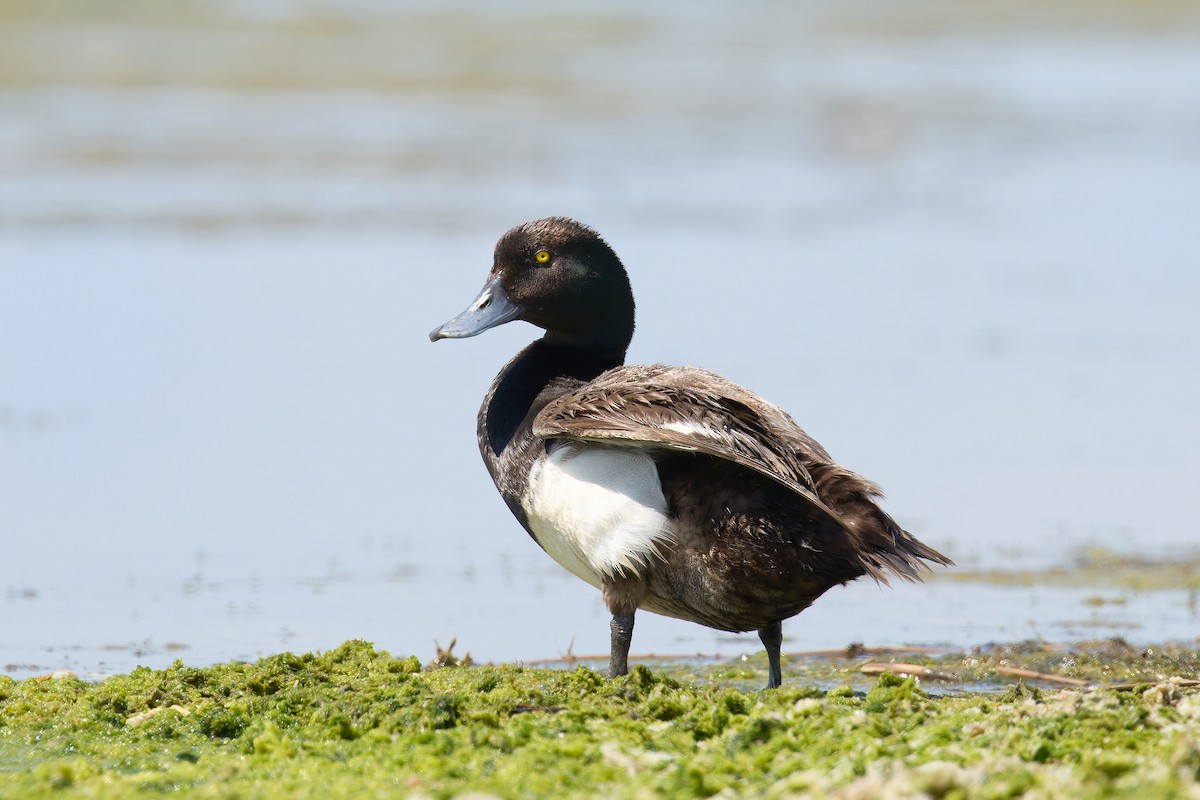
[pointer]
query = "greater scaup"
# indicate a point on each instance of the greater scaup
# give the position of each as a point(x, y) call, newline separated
point(668, 488)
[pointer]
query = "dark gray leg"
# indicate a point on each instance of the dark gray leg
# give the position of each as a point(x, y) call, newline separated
point(622, 635)
point(772, 639)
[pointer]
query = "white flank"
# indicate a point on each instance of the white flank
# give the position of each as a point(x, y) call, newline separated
point(598, 511)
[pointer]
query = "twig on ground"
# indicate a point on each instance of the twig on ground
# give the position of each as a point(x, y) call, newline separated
point(900, 668)
point(1040, 676)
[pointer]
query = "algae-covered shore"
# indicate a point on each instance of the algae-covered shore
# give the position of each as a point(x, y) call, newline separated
point(359, 722)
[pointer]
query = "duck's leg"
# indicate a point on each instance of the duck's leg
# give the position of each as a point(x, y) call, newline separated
point(622, 635)
point(772, 639)
point(622, 594)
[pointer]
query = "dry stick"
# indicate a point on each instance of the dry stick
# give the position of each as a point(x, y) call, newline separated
point(845, 652)
point(899, 668)
point(1129, 687)
point(1041, 676)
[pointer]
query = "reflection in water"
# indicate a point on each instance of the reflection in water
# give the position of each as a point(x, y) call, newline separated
point(952, 241)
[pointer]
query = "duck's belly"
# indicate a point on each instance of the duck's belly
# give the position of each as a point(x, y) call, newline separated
point(727, 600)
point(598, 511)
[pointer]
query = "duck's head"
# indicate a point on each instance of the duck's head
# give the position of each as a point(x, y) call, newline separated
point(559, 275)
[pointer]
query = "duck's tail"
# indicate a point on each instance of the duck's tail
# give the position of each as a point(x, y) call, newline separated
point(884, 549)
point(895, 551)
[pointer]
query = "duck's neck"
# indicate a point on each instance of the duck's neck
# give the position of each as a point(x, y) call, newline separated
point(543, 371)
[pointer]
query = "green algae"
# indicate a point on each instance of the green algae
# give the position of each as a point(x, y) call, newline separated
point(357, 721)
point(1097, 567)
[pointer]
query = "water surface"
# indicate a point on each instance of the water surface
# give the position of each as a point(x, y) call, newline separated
point(957, 245)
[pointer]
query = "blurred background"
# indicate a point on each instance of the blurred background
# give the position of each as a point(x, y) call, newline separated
point(957, 241)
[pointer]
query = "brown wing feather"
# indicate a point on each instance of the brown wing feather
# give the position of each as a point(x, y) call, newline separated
point(690, 409)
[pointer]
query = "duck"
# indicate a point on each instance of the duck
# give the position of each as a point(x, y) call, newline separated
point(670, 489)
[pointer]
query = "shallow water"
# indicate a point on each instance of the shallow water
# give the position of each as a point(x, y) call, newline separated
point(958, 246)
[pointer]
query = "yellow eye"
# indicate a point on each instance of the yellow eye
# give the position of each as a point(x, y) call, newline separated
point(542, 257)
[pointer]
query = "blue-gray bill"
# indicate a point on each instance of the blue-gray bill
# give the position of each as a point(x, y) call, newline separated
point(490, 308)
